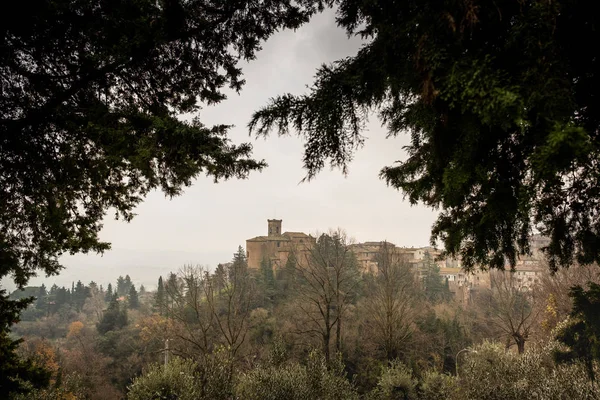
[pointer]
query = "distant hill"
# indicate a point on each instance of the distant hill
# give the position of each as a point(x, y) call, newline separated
point(143, 266)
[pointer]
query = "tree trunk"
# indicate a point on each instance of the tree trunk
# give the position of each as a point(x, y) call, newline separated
point(338, 335)
point(326, 339)
point(520, 343)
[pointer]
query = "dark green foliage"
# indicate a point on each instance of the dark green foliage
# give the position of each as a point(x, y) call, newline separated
point(16, 375)
point(132, 298)
point(266, 283)
point(115, 317)
point(500, 99)
point(79, 296)
point(239, 264)
point(160, 297)
point(582, 334)
point(123, 285)
point(442, 337)
point(109, 293)
point(220, 277)
point(435, 287)
point(41, 300)
point(90, 96)
point(88, 112)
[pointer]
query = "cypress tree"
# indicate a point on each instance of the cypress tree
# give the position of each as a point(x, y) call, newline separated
point(109, 293)
point(159, 299)
point(132, 298)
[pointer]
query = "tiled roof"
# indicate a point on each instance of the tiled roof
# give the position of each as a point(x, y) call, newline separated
point(278, 238)
point(295, 234)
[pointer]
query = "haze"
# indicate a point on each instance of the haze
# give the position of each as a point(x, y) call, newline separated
point(207, 224)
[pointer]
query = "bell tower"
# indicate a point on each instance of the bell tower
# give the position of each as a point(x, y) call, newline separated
point(274, 227)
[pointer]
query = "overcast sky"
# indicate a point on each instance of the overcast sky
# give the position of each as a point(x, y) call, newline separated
point(207, 223)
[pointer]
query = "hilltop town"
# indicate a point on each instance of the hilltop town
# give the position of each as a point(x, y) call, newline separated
point(277, 246)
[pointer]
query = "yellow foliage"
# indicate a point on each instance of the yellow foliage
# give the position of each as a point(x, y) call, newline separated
point(45, 356)
point(75, 329)
point(550, 313)
point(154, 326)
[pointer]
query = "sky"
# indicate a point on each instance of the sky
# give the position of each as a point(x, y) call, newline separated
point(209, 221)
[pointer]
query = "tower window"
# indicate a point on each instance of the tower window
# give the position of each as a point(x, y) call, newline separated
point(278, 244)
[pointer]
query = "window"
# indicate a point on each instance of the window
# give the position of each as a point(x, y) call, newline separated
point(277, 244)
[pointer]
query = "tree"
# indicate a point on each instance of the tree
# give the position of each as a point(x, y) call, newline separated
point(266, 283)
point(317, 379)
point(173, 290)
point(500, 100)
point(41, 300)
point(159, 297)
point(88, 113)
point(231, 306)
point(390, 304)
point(581, 335)
point(325, 285)
point(132, 298)
point(79, 295)
point(109, 293)
point(115, 317)
point(182, 379)
point(17, 375)
point(435, 287)
point(512, 308)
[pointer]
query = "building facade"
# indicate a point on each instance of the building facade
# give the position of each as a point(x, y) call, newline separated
point(276, 246)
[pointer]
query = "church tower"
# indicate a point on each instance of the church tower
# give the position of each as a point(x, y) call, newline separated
point(274, 227)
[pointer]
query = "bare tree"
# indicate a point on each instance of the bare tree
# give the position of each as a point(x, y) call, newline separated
point(95, 304)
point(513, 309)
point(557, 285)
point(189, 308)
point(325, 282)
point(229, 297)
point(389, 305)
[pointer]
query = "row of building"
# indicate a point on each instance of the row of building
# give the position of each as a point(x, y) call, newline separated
point(277, 246)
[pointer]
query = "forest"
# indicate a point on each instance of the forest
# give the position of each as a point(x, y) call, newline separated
point(315, 328)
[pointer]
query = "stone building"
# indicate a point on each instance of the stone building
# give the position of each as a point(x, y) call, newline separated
point(276, 246)
point(366, 254)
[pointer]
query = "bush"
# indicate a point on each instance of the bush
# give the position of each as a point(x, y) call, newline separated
point(177, 380)
point(395, 382)
point(493, 373)
point(296, 382)
point(436, 386)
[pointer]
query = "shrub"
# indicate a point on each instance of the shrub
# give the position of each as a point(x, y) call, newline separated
point(395, 382)
point(294, 381)
point(177, 380)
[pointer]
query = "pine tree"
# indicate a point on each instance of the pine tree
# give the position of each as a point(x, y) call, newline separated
point(142, 290)
point(132, 298)
point(79, 295)
point(121, 287)
point(239, 264)
point(62, 297)
point(434, 285)
point(41, 300)
point(115, 317)
point(11, 365)
point(220, 277)
point(266, 280)
point(109, 293)
point(127, 285)
point(286, 275)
